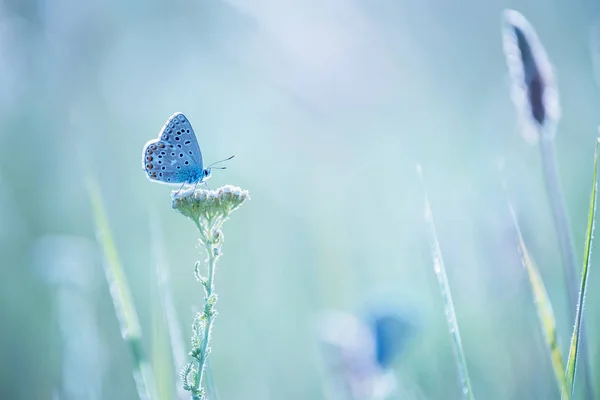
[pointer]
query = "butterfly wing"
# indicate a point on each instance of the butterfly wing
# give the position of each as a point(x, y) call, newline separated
point(179, 132)
point(175, 156)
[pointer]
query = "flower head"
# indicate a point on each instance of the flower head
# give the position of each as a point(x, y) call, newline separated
point(534, 88)
point(209, 209)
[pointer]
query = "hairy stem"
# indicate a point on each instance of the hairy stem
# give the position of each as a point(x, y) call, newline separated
point(208, 209)
point(212, 250)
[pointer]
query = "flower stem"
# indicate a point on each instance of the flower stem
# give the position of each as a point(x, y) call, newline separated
point(209, 209)
point(212, 250)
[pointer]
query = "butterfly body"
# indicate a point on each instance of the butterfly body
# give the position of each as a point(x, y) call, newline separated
point(175, 157)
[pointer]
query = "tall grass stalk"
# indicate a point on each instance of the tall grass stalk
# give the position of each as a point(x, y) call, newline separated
point(122, 299)
point(566, 242)
point(162, 364)
point(167, 303)
point(535, 94)
point(442, 277)
point(574, 348)
point(561, 217)
point(540, 295)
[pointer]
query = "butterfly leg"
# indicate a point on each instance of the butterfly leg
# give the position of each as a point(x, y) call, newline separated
point(206, 184)
point(180, 189)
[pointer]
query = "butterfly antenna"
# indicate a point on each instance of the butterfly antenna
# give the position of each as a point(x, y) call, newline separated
point(218, 162)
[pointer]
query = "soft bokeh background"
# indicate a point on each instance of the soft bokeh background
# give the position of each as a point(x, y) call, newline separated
point(327, 106)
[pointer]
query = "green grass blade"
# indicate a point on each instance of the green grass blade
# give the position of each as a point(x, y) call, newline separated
point(122, 299)
point(211, 388)
point(568, 251)
point(167, 302)
point(575, 338)
point(440, 272)
point(161, 356)
point(542, 301)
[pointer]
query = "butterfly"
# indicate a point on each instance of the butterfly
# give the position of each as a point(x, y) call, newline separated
point(175, 157)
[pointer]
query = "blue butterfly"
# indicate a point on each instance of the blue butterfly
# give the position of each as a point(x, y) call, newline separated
point(175, 157)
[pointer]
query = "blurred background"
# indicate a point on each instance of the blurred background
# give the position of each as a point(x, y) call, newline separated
point(327, 105)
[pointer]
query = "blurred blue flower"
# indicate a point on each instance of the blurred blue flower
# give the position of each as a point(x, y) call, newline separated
point(360, 352)
point(392, 332)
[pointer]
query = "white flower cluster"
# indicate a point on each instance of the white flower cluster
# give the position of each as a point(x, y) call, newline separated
point(209, 209)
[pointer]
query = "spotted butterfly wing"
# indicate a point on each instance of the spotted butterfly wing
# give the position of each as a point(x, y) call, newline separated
point(175, 156)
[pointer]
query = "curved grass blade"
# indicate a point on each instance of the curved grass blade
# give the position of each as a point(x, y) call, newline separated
point(167, 302)
point(540, 295)
point(576, 337)
point(440, 272)
point(122, 299)
point(161, 356)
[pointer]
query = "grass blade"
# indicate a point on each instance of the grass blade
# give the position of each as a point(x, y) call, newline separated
point(211, 388)
point(542, 301)
point(576, 337)
point(568, 251)
point(167, 302)
point(440, 272)
point(161, 356)
point(122, 299)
